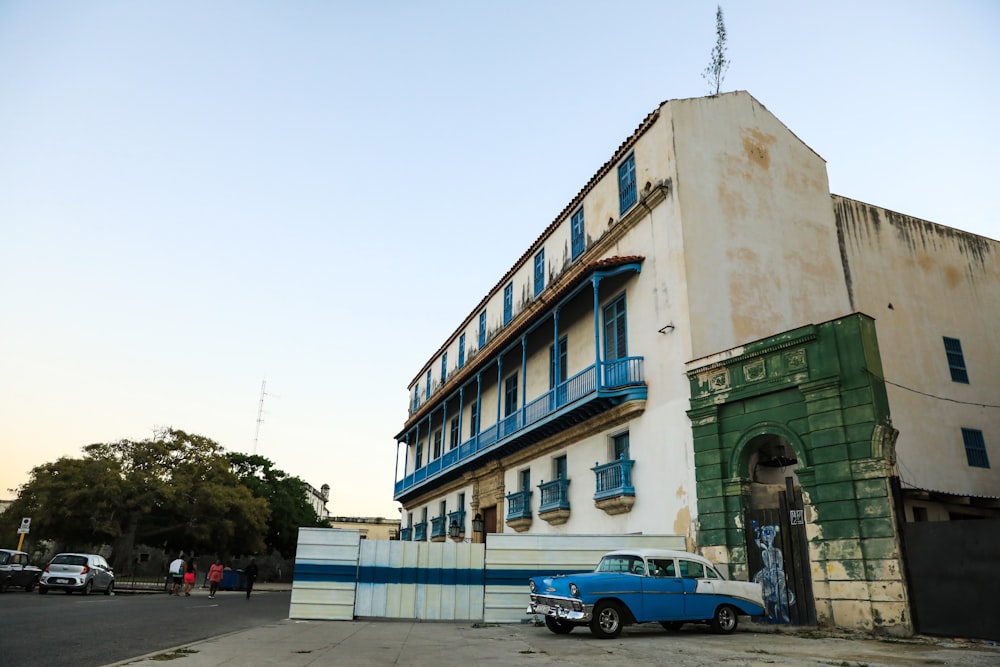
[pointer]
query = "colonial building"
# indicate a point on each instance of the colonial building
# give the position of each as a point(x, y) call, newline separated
point(706, 342)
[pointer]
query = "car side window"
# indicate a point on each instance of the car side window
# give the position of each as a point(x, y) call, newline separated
point(692, 570)
point(659, 567)
point(638, 567)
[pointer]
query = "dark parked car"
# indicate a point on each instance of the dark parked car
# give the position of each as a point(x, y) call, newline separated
point(644, 586)
point(78, 572)
point(16, 570)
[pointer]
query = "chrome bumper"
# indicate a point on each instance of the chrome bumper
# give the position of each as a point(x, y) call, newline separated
point(564, 610)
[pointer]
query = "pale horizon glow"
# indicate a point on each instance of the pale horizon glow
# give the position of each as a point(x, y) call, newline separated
point(197, 197)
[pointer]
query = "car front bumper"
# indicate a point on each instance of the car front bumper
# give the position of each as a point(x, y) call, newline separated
point(563, 609)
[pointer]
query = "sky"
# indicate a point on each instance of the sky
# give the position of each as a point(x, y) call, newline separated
point(200, 197)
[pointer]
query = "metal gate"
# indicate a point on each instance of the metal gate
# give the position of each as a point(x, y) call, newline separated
point(778, 558)
point(953, 583)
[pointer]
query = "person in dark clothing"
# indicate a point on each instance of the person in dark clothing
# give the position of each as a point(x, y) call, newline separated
point(250, 574)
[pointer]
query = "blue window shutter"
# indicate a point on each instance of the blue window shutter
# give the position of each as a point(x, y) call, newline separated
point(956, 360)
point(482, 329)
point(428, 384)
point(627, 192)
point(615, 339)
point(975, 448)
point(576, 231)
point(444, 366)
point(539, 271)
point(461, 350)
point(508, 303)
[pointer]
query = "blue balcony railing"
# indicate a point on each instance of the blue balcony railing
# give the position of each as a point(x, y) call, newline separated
point(555, 495)
point(404, 534)
point(519, 505)
point(439, 526)
point(615, 375)
point(420, 532)
point(456, 523)
point(614, 479)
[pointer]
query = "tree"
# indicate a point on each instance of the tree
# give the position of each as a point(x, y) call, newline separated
point(285, 496)
point(175, 490)
point(719, 65)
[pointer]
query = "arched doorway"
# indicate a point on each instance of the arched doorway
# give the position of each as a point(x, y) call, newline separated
point(777, 546)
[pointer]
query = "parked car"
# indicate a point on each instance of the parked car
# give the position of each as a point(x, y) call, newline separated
point(77, 572)
point(16, 570)
point(644, 586)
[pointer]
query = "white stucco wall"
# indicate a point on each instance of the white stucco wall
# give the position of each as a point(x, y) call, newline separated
point(921, 282)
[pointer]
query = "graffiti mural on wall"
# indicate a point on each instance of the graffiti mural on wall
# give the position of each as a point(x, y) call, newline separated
point(771, 576)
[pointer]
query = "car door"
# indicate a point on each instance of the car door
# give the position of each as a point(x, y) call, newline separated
point(663, 591)
point(699, 601)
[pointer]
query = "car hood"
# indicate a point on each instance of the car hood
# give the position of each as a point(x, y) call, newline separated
point(587, 582)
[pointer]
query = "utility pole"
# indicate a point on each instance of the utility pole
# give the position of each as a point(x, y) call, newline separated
point(260, 415)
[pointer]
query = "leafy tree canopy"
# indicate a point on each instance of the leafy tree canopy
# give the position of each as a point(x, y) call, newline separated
point(175, 490)
point(285, 495)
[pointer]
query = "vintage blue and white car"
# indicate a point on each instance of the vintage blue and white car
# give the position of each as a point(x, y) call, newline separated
point(644, 586)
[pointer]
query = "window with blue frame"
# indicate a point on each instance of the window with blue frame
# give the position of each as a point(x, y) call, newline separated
point(560, 467)
point(482, 329)
point(558, 373)
point(615, 345)
point(420, 456)
point(956, 360)
point(437, 444)
point(461, 350)
point(510, 395)
point(474, 419)
point(539, 271)
point(627, 191)
point(454, 435)
point(526, 479)
point(444, 366)
point(508, 303)
point(619, 446)
point(428, 384)
point(416, 397)
point(576, 233)
point(975, 448)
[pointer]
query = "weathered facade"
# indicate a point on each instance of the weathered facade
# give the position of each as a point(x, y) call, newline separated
point(706, 342)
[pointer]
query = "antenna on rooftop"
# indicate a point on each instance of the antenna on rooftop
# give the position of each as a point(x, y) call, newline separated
point(260, 414)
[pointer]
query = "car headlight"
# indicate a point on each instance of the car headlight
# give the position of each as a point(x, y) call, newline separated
point(531, 585)
point(574, 591)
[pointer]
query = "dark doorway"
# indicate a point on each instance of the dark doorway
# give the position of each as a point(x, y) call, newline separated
point(489, 521)
point(778, 552)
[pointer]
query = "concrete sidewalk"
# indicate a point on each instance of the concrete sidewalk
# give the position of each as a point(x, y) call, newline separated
point(367, 643)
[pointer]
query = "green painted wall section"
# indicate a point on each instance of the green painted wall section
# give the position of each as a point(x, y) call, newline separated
point(818, 387)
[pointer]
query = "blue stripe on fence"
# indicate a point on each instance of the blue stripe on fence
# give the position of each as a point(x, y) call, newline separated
point(375, 574)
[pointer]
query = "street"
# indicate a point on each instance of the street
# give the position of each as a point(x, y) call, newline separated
point(59, 629)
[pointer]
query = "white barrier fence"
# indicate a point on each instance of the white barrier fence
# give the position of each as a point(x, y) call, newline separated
point(339, 576)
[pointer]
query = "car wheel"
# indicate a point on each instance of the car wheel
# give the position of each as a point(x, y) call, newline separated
point(42, 590)
point(608, 620)
point(673, 626)
point(725, 620)
point(87, 587)
point(111, 588)
point(558, 626)
point(30, 586)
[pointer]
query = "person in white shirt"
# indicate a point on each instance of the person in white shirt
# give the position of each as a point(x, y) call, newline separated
point(177, 568)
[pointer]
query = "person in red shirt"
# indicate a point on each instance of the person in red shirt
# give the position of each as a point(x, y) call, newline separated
point(214, 577)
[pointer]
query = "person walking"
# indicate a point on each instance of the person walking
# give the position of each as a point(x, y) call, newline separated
point(214, 577)
point(250, 574)
point(177, 573)
point(190, 571)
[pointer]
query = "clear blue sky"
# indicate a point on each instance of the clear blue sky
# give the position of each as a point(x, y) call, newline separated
point(196, 196)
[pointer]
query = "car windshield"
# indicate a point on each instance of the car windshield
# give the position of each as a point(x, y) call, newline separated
point(66, 559)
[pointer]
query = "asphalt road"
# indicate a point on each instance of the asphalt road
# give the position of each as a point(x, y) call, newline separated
point(59, 629)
